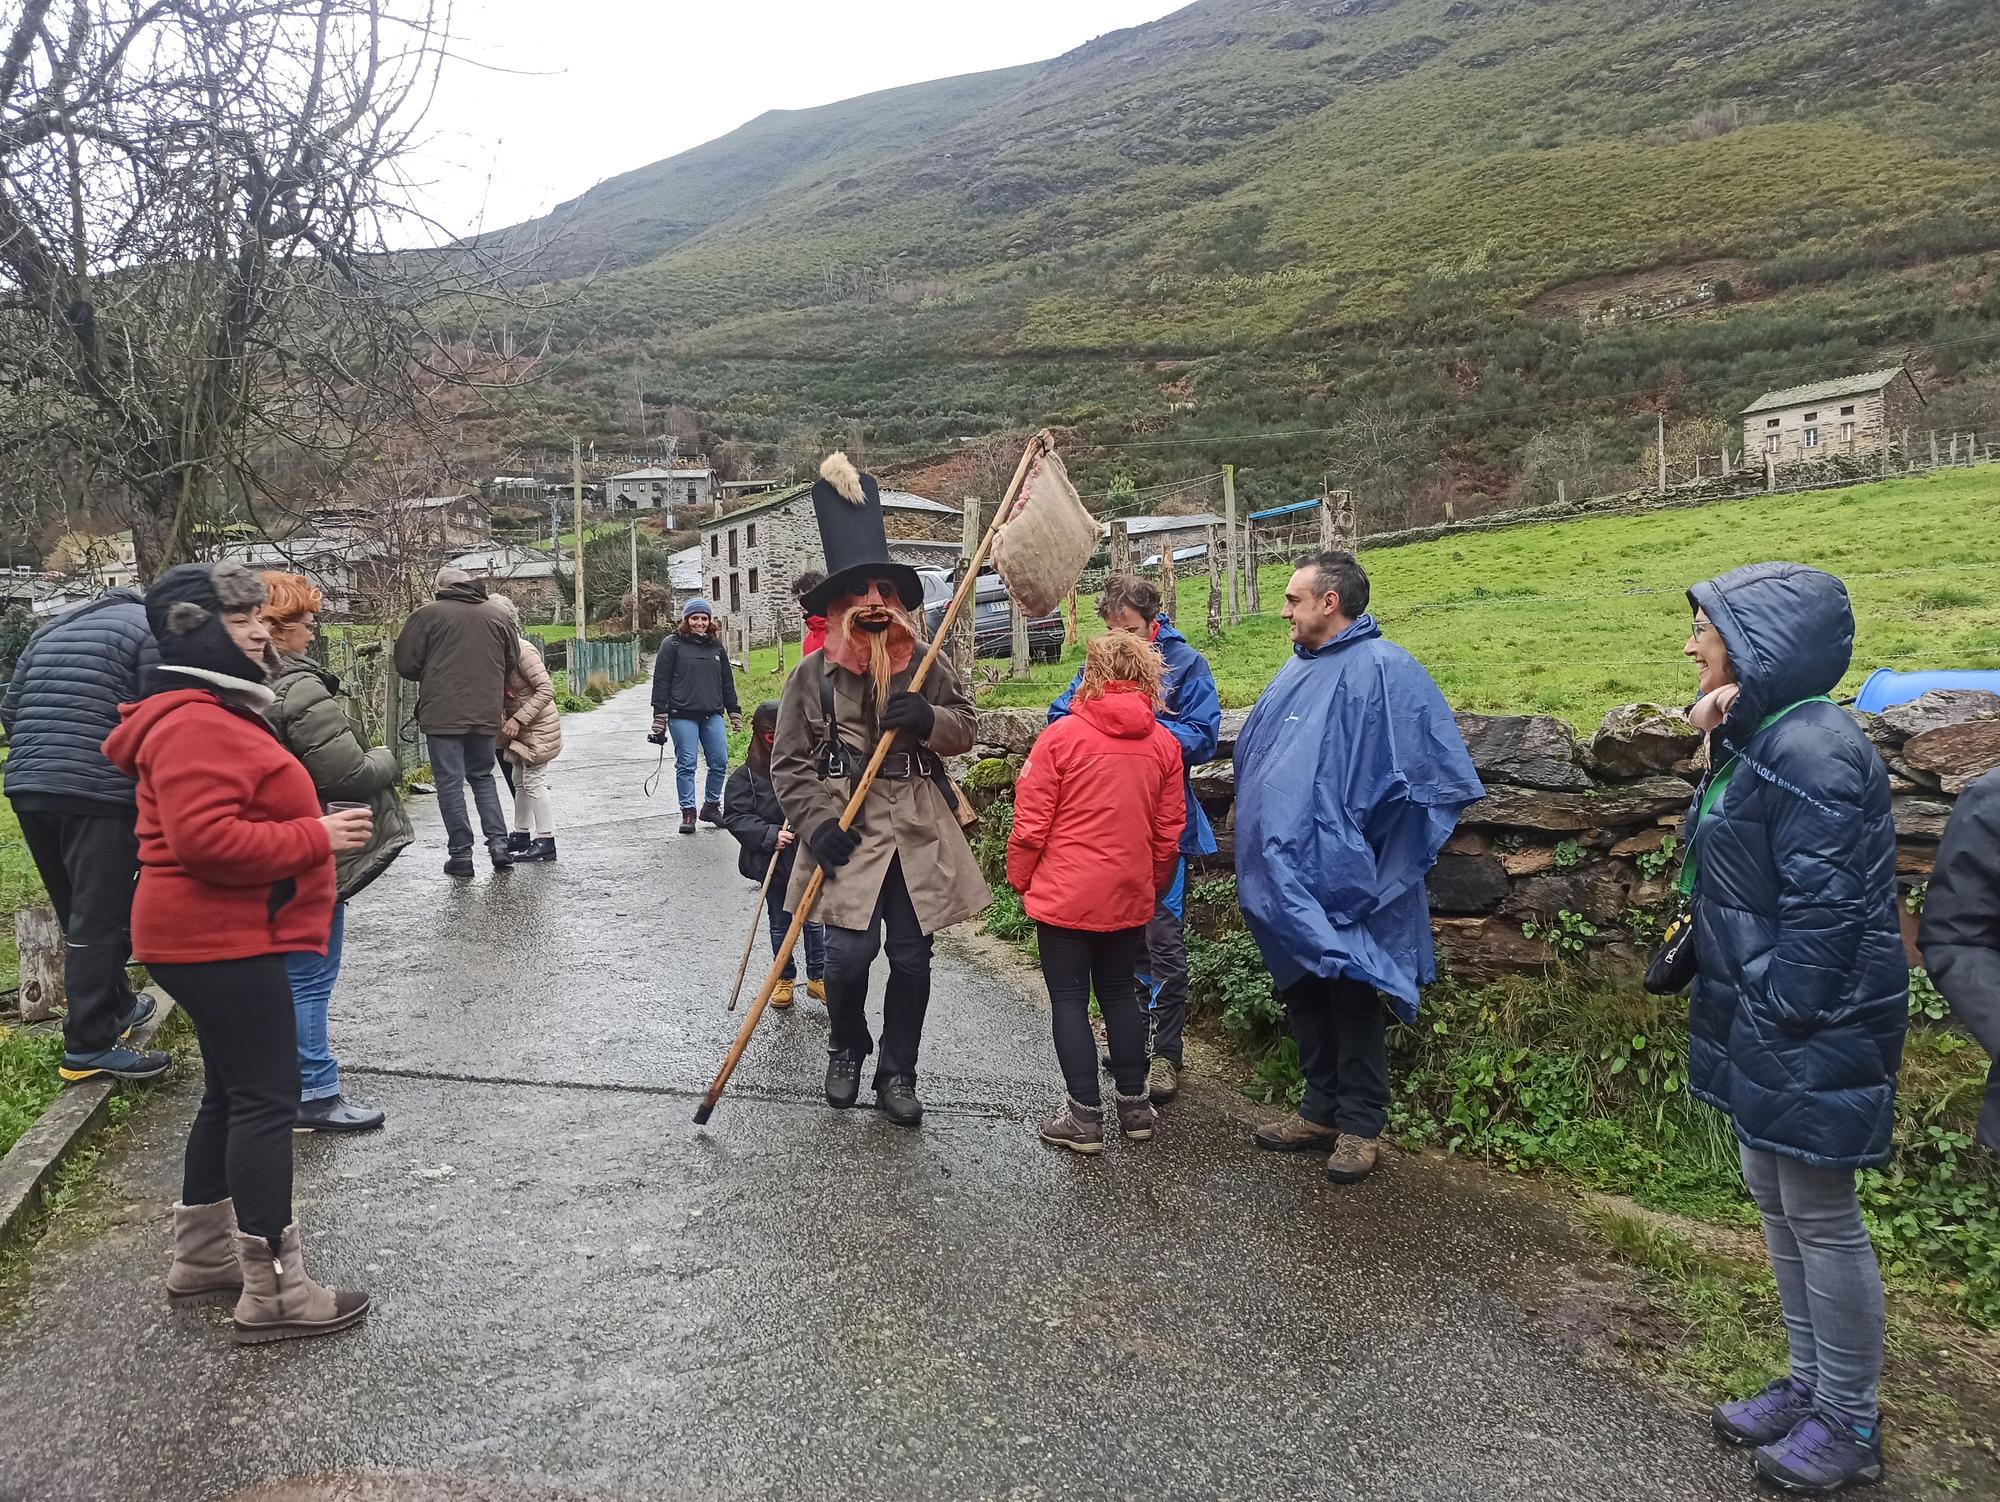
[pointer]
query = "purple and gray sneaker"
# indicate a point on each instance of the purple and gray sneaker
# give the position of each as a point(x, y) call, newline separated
point(1825, 1453)
point(1762, 1418)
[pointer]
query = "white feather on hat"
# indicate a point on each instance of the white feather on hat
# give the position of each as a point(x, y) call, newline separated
point(838, 471)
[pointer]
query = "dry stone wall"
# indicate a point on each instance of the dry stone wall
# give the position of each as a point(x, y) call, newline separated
point(1571, 842)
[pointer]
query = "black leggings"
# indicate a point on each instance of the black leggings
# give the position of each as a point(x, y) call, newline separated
point(241, 1144)
point(1072, 958)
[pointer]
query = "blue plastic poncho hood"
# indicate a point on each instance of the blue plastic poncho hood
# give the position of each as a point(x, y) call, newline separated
point(1350, 775)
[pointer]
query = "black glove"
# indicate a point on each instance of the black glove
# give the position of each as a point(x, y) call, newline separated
point(911, 712)
point(833, 846)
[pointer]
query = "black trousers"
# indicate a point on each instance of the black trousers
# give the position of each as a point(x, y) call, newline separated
point(241, 1141)
point(1074, 959)
point(89, 863)
point(849, 954)
point(1342, 1030)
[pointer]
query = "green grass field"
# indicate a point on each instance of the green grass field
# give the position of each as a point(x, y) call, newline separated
point(1572, 618)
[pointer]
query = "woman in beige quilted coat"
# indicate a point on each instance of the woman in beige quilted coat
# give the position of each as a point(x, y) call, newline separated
point(530, 739)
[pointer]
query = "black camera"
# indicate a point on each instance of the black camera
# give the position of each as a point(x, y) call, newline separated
point(657, 738)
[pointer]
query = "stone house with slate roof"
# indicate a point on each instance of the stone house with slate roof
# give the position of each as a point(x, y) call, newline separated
point(750, 556)
point(1859, 414)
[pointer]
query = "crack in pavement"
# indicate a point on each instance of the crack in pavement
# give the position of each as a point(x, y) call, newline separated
point(980, 1108)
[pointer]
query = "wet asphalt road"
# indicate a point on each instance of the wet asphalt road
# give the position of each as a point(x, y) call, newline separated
point(579, 1294)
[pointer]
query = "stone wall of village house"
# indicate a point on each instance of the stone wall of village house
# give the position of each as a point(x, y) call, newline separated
point(1879, 417)
point(1579, 826)
point(787, 545)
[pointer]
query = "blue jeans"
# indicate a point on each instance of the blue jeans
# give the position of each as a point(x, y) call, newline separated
point(711, 735)
point(1829, 1283)
point(312, 977)
point(813, 936)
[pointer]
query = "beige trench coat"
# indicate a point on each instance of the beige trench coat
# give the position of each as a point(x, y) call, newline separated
point(531, 703)
point(909, 817)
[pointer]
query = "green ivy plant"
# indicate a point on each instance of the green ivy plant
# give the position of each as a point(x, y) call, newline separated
point(1567, 854)
point(1653, 864)
point(1569, 936)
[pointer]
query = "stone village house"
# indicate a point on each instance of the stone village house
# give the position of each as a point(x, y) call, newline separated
point(1860, 414)
point(751, 556)
point(682, 493)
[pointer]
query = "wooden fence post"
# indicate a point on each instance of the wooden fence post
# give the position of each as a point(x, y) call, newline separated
point(1229, 535)
point(40, 940)
point(1213, 547)
point(1251, 604)
point(1018, 661)
point(1069, 621)
point(1121, 547)
point(1169, 593)
point(964, 641)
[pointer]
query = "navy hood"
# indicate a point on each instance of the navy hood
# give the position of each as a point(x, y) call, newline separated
point(1789, 630)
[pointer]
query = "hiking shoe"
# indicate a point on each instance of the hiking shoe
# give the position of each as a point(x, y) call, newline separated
point(336, 1113)
point(1354, 1158)
point(1163, 1080)
point(781, 994)
point(538, 850)
point(687, 821)
point(1823, 1453)
point(519, 840)
point(118, 1061)
point(500, 855)
point(711, 813)
point(1763, 1418)
point(816, 989)
point(142, 1011)
point(1293, 1135)
point(896, 1098)
point(843, 1080)
point(458, 865)
point(1136, 1118)
point(1077, 1127)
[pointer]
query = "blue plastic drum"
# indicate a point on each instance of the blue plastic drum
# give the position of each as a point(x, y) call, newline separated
point(1885, 688)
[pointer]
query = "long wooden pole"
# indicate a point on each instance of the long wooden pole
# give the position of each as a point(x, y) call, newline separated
point(1041, 443)
point(756, 922)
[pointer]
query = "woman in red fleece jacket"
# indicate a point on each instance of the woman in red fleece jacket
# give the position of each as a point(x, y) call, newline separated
point(235, 872)
point(1098, 812)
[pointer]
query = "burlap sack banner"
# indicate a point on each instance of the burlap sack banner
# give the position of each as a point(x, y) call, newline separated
point(1042, 547)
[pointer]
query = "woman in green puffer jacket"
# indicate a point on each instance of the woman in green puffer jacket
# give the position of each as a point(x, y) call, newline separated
point(309, 719)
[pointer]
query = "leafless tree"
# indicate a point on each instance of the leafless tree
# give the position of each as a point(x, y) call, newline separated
point(207, 294)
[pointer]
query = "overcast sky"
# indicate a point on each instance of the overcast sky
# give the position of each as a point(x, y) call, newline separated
point(598, 87)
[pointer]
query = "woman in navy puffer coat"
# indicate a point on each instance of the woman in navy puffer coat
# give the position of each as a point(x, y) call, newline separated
point(1798, 1010)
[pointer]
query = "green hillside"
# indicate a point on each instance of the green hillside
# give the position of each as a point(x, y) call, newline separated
point(1572, 618)
point(1434, 229)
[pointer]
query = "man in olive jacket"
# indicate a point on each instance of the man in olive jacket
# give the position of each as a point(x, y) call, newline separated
point(1960, 932)
point(460, 653)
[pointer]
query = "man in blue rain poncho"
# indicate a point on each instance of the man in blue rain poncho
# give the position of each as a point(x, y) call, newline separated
point(1350, 775)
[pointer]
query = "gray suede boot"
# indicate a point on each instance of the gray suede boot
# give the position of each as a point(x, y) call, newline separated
point(280, 1302)
point(204, 1270)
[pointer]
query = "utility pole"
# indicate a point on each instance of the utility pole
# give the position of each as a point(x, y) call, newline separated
point(1229, 535)
point(1661, 419)
point(576, 494)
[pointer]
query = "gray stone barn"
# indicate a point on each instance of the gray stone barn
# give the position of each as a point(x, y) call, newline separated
point(1854, 415)
point(750, 557)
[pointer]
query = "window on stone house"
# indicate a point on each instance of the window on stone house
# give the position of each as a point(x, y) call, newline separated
point(1846, 411)
point(715, 587)
point(1810, 437)
point(1770, 422)
point(1770, 443)
point(735, 592)
point(1812, 417)
point(1847, 434)
point(753, 581)
point(750, 538)
point(714, 544)
point(732, 547)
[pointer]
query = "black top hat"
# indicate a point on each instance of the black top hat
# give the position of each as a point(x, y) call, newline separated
point(848, 506)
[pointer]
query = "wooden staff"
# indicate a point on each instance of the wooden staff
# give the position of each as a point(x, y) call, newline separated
point(1041, 443)
point(756, 922)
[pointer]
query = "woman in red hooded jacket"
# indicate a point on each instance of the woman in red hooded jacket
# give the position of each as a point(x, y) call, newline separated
point(1098, 812)
point(235, 872)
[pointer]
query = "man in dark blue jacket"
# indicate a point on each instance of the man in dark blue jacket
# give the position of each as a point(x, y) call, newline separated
point(78, 812)
point(1193, 716)
point(1350, 774)
point(1960, 933)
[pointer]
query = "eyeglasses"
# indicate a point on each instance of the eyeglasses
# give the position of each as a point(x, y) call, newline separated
point(1701, 629)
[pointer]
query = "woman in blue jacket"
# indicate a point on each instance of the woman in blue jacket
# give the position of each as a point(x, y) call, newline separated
point(1799, 1005)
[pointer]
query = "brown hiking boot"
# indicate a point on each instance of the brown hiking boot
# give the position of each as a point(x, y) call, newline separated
point(816, 989)
point(1136, 1118)
point(280, 1302)
point(1078, 1128)
point(711, 813)
point(781, 995)
point(1354, 1158)
point(1293, 1135)
point(1163, 1080)
point(205, 1269)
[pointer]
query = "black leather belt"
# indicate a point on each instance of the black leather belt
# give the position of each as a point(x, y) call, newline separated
point(903, 766)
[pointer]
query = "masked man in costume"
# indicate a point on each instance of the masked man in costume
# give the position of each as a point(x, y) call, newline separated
point(904, 869)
